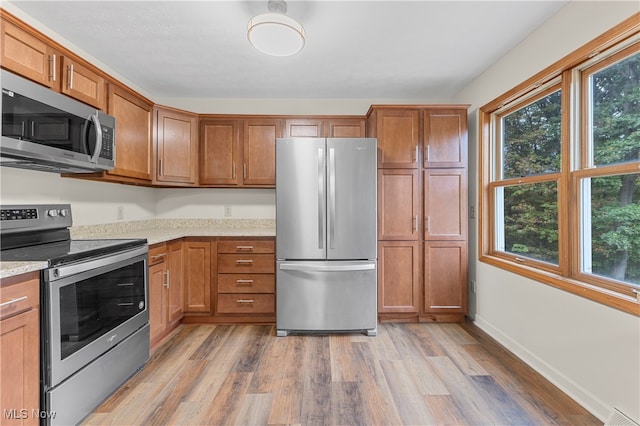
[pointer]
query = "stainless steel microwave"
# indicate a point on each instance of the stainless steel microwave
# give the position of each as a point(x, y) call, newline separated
point(48, 131)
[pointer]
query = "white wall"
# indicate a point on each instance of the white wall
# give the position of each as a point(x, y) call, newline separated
point(91, 202)
point(185, 203)
point(589, 350)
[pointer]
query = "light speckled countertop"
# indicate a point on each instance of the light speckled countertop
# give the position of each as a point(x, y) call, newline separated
point(156, 231)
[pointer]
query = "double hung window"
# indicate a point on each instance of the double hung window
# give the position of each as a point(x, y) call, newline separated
point(560, 174)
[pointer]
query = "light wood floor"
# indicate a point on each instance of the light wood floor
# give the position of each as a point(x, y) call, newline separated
point(413, 374)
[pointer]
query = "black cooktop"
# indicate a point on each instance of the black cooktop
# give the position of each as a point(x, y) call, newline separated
point(68, 251)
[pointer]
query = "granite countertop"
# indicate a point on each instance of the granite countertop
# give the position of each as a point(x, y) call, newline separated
point(156, 231)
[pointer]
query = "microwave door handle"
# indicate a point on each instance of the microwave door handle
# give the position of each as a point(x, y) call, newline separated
point(96, 153)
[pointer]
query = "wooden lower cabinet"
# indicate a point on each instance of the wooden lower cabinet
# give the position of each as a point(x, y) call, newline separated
point(445, 278)
point(165, 288)
point(175, 276)
point(246, 277)
point(20, 349)
point(398, 277)
point(197, 275)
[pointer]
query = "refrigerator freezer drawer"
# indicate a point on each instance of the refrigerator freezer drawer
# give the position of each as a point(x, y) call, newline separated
point(326, 296)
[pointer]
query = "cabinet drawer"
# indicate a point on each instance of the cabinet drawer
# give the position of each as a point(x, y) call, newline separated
point(19, 298)
point(246, 283)
point(260, 246)
point(253, 263)
point(249, 303)
point(157, 254)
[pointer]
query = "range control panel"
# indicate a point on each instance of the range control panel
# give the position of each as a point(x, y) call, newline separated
point(18, 214)
point(23, 218)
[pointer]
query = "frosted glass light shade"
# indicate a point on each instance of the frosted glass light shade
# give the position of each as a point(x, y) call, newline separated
point(275, 34)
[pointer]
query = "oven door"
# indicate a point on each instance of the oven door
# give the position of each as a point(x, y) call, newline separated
point(89, 308)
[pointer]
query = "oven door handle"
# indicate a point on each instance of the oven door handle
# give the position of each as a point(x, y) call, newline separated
point(58, 273)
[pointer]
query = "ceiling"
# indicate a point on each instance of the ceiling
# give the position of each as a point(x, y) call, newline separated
point(354, 49)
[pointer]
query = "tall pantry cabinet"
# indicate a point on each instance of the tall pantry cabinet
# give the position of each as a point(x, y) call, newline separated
point(422, 211)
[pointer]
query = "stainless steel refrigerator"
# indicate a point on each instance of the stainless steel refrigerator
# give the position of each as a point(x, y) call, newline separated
point(326, 235)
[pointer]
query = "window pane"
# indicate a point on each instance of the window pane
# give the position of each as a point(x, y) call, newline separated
point(531, 138)
point(613, 248)
point(615, 115)
point(530, 221)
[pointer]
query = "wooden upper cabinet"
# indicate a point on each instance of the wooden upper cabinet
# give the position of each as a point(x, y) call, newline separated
point(445, 137)
point(176, 147)
point(334, 127)
point(134, 143)
point(80, 82)
point(29, 56)
point(346, 128)
point(398, 133)
point(259, 151)
point(398, 204)
point(445, 204)
point(220, 152)
point(304, 127)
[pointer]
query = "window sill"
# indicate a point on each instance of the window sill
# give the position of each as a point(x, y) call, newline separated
point(606, 297)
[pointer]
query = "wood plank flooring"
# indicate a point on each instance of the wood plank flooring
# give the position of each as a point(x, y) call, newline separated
point(412, 374)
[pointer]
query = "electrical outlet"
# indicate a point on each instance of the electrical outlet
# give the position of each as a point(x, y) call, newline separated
point(474, 286)
point(120, 214)
point(227, 211)
point(472, 212)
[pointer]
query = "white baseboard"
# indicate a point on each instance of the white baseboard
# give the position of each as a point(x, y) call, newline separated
point(568, 386)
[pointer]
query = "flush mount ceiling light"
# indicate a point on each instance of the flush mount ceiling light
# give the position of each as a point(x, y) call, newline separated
point(275, 33)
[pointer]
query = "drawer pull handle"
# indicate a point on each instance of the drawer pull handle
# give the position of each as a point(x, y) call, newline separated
point(16, 300)
point(244, 247)
point(244, 261)
point(158, 256)
point(244, 281)
point(244, 300)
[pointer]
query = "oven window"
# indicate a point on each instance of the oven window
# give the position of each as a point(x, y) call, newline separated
point(95, 306)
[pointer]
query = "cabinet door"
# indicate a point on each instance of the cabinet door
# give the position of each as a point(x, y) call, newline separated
point(157, 300)
point(20, 366)
point(445, 138)
point(176, 150)
point(346, 128)
point(82, 83)
point(134, 117)
point(445, 204)
point(175, 275)
point(20, 349)
point(197, 276)
point(398, 133)
point(398, 276)
point(219, 152)
point(29, 56)
point(259, 151)
point(304, 127)
point(398, 204)
point(445, 276)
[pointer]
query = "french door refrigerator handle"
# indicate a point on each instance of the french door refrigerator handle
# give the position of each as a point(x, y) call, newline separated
point(332, 197)
point(321, 205)
point(327, 268)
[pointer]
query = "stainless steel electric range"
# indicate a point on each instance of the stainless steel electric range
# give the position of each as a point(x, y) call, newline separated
point(94, 316)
